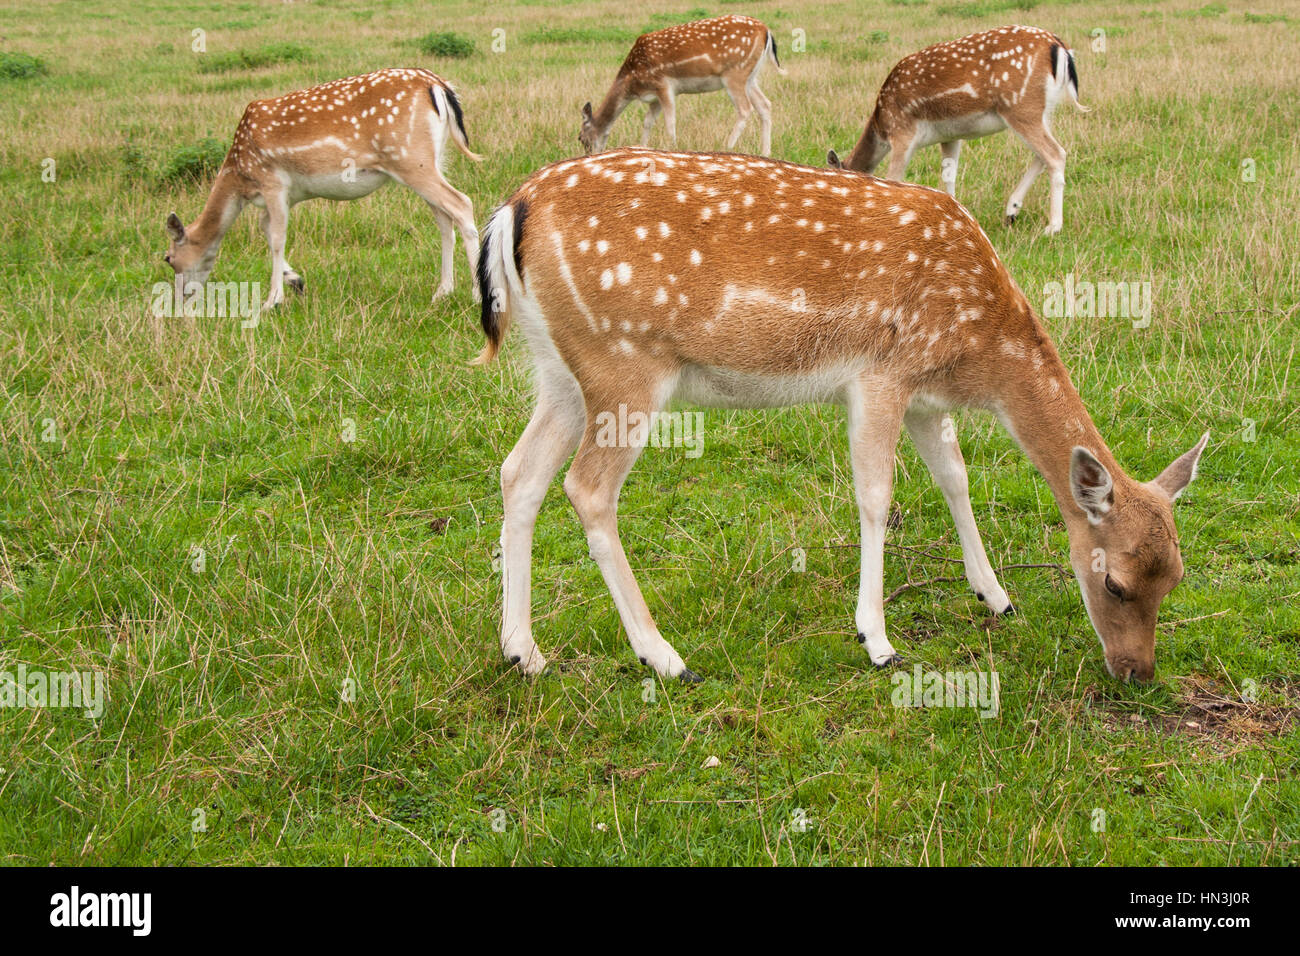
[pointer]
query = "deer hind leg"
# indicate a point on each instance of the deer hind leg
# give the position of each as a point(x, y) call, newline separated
point(550, 438)
point(740, 97)
point(764, 107)
point(951, 151)
point(1048, 154)
point(651, 115)
point(936, 440)
point(447, 201)
point(275, 221)
point(447, 229)
point(592, 484)
point(875, 420)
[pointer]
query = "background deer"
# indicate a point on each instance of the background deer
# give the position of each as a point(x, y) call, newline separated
point(700, 57)
point(972, 87)
point(341, 141)
point(732, 281)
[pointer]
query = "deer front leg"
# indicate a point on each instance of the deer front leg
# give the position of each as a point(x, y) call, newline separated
point(948, 165)
point(1017, 200)
point(764, 107)
point(593, 484)
point(875, 413)
point(551, 436)
point(291, 276)
point(276, 226)
point(935, 438)
point(669, 102)
point(651, 115)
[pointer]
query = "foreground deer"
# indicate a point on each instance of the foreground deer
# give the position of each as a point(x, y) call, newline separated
point(967, 88)
point(731, 281)
point(341, 141)
point(700, 57)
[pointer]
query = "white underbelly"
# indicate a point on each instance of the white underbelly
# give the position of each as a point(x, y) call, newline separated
point(727, 388)
point(697, 84)
point(340, 186)
point(965, 127)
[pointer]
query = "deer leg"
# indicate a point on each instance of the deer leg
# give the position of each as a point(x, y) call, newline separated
point(739, 97)
point(875, 416)
point(592, 484)
point(668, 100)
point(551, 436)
point(1051, 155)
point(651, 115)
point(764, 107)
point(446, 200)
point(1017, 200)
point(276, 226)
point(900, 154)
point(936, 440)
point(951, 150)
point(291, 275)
point(447, 230)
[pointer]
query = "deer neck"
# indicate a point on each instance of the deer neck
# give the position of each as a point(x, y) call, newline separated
point(615, 101)
point(219, 213)
point(1044, 413)
point(870, 149)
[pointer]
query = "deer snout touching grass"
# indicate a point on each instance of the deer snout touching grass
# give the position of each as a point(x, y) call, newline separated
point(700, 57)
point(638, 276)
point(340, 141)
point(1011, 77)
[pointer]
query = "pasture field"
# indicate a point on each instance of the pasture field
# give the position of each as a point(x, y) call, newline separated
point(276, 544)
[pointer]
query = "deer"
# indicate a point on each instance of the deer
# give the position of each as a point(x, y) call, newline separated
point(638, 277)
point(341, 141)
point(1010, 77)
point(699, 57)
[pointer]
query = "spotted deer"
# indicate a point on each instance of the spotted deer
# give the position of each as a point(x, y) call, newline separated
point(968, 88)
point(638, 277)
point(341, 141)
point(700, 57)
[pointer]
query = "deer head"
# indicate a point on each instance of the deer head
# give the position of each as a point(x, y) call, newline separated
point(1124, 550)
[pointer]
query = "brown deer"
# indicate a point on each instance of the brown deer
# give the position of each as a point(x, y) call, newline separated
point(972, 87)
point(639, 276)
point(341, 141)
point(721, 53)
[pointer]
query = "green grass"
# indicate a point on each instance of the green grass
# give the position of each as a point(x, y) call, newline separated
point(255, 59)
point(327, 687)
point(451, 45)
point(21, 66)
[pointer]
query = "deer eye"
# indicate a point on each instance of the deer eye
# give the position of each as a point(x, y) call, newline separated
point(1114, 588)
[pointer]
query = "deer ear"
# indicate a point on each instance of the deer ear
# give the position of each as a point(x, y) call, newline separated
point(833, 159)
point(175, 228)
point(1091, 485)
point(586, 110)
point(1173, 481)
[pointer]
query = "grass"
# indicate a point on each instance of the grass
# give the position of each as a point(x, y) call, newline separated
point(276, 543)
point(270, 54)
point(21, 66)
point(451, 45)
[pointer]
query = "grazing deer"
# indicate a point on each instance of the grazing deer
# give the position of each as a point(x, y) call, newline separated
point(341, 141)
point(972, 87)
point(639, 276)
point(700, 57)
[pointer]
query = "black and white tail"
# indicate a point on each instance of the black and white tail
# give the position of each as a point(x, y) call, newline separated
point(498, 274)
point(447, 105)
point(1067, 75)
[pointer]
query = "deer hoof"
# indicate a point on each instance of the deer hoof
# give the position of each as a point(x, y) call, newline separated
point(690, 677)
point(1010, 220)
point(889, 661)
point(295, 282)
